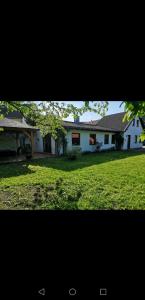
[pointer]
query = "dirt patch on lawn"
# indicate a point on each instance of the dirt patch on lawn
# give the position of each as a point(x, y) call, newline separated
point(52, 196)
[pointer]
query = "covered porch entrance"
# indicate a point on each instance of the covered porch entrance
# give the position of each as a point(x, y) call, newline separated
point(13, 141)
point(47, 144)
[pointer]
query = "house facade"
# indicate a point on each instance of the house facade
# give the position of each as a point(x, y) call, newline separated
point(131, 135)
point(104, 131)
point(17, 133)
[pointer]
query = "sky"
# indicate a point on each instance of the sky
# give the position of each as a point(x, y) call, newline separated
point(114, 107)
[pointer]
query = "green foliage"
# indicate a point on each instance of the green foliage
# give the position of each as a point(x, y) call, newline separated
point(74, 154)
point(86, 152)
point(134, 109)
point(142, 136)
point(61, 141)
point(47, 115)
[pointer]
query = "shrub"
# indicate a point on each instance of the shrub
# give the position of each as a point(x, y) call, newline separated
point(86, 152)
point(73, 155)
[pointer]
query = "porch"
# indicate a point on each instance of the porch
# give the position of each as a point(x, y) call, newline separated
point(14, 137)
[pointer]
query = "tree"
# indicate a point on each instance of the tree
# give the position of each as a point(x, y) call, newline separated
point(134, 109)
point(61, 142)
point(47, 115)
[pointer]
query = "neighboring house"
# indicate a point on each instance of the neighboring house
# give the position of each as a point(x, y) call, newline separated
point(84, 135)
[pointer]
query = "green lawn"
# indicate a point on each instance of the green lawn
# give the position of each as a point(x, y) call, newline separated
point(113, 180)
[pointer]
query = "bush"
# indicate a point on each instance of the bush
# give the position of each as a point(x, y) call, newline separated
point(109, 149)
point(73, 155)
point(86, 152)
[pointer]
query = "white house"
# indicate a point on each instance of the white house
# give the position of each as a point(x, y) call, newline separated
point(104, 131)
point(83, 135)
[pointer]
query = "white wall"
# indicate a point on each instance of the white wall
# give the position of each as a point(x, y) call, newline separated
point(52, 146)
point(38, 142)
point(133, 130)
point(84, 140)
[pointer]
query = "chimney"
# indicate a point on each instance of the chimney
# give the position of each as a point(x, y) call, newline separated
point(77, 120)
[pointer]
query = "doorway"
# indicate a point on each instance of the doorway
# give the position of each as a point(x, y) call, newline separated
point(128, 142)
point(47, 143)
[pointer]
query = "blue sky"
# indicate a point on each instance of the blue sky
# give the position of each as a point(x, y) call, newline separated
point(114, 107)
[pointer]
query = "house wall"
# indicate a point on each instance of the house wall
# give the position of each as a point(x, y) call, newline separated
point(132, 130)
point(53, 146)
point(38, 142)
point(84, 140)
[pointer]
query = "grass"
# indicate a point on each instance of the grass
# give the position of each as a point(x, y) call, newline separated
point(112, 180)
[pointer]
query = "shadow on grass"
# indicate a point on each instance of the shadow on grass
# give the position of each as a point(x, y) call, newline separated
point(63, 164)
point(14, 169)
point(86, 160)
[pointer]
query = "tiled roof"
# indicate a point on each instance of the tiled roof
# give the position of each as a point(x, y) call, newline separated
point(10, 123)
point(83, 126)
point(110, 123)
point(114, 121)
point(91, 122)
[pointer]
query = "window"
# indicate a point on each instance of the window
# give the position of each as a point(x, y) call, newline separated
point(137, 124)
point(92, 139)
point(133, 122)
point(76, 139)
point(113, 139)
point(106, 139)
point(135, 139)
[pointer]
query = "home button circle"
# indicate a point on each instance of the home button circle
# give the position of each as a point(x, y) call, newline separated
point(72, 292)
